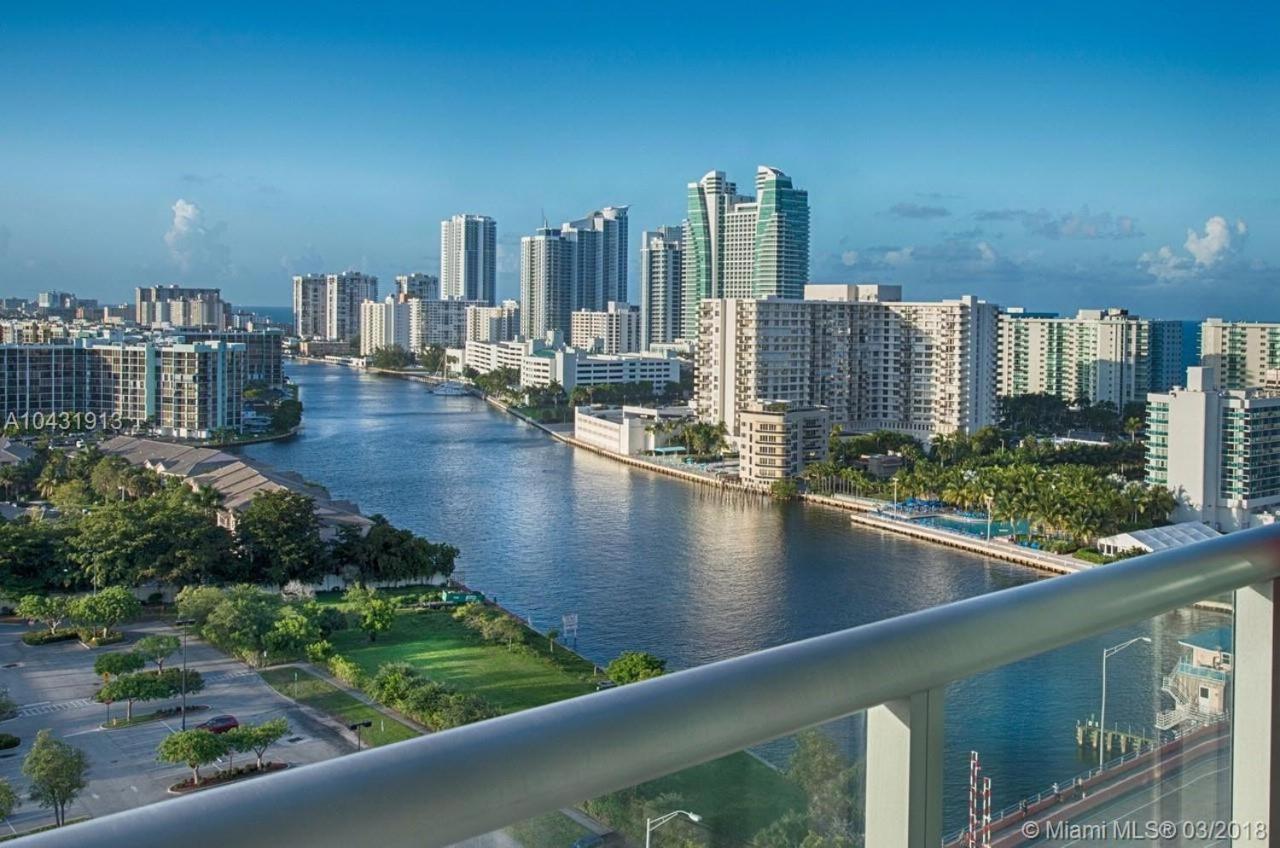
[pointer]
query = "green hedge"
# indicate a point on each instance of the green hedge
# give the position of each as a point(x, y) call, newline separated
point(8, 740)
point(346, 671)
point(44, 637)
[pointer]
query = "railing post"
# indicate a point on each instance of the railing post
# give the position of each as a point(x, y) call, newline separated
point(1255, 744)
point(904, 772)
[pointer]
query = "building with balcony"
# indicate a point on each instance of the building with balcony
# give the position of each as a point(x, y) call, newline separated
point(613, 330)
point(661, 287)
point(384, 324)
point(1217, 450)
point(542, 362)
point(468, 258)
point(177, 306)
point(778, 440)
point(493, 323)
point(874, 361)
point(1242, 353)
point(418, 285)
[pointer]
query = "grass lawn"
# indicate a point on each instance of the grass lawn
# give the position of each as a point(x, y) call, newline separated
point(447, 651)
point(737, 796)
point(323, 696)
point(549, 830)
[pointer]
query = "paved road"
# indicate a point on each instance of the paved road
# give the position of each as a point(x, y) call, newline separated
point(54, 684)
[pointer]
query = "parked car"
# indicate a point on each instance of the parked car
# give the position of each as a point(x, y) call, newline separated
point(219, 724)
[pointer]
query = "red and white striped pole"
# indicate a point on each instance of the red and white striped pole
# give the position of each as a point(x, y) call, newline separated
point(986, 813)
point(971, 838)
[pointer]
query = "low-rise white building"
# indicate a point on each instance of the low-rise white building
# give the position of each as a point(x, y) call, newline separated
point(629, 430)
point(542, 363)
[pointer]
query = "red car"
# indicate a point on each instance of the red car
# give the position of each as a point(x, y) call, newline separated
point(219, 724)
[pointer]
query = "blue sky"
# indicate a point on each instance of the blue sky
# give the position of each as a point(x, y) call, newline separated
point(1121, 154)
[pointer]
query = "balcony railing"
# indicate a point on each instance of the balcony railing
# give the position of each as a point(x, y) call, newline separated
point(446, 787)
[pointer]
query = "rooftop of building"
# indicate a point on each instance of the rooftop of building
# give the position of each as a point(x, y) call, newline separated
point(1218, 639)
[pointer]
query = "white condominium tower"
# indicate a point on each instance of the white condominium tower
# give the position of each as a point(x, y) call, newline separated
point(1243, 354)
point(546, 282)
point(600, 257)
point(499, 323)
point(874, 361)
point(737, 247)
point(343, 295)
point(468, 257)
point(309, 299)
point(384, 324)
point(613, 330)
point(661, 287)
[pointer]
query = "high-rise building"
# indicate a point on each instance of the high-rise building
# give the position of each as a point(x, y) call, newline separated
point(546, 282)
point(876, 362)
point(384, 324)
point(177, 306)
point(469, 257)
point(423, 286)
point(1241, 352)
point(1168, 365)
point(343, 295)
point(1099, 356)
point(263, 351)
point(439, 323)
point(310, 293)
point(1217, 450)
point(600, 257)
point(493, 323)
point(661, 287)
point(737, 247)
point(613, 330)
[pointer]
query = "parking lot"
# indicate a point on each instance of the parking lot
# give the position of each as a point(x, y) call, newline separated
point(54, 686)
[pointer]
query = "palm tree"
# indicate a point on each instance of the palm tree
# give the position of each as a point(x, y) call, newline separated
point(1132, 426)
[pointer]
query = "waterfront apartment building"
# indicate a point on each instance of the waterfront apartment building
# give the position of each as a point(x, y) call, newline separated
point(1099, 356)
point(599, 257)
point(1217, 450)
point(344, 293)
point(616, 329)
point(177, 306)
point(739, 247)
point(547, 275)
point(661, 287)
point(778, 440)
point(874, 361)
point(493, 323)
point(543, 362)
point(263, 351)
point(439, 323)
point(1241, 352)
point(419, 285)
point(1168, 361)
point(469, 258)
point(181, 389)
point(384, 324)
point(310, 296)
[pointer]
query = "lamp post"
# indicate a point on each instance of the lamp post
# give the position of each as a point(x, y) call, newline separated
point(356, 727)
point(650, 825)
point(182, 623)
point(1102, 712)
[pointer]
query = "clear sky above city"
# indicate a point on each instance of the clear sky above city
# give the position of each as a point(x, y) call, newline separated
point(1118, 154)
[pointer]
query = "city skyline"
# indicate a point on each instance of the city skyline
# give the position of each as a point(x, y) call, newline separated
point(1050, 168)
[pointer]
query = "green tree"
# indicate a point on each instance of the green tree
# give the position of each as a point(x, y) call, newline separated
point(196, 602)
point(117, 663)
point(9, 800)
point(106, 609)
point(432, 358)
point(632, 666)
point(192, 748)
point(157, 648)
point(50, 610)
point(242, 620)
point(292, 632)
point(784, 489)
point(392, 357)
point(71, 496)
point(374, 614)
point(263, 736)
point(286, 415)
point(280, 537)
point(56, 772)
point(131, 688)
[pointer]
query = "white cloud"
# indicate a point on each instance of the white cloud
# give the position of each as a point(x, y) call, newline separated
point(195, 247)
point(1220, 240)
point(849, 257)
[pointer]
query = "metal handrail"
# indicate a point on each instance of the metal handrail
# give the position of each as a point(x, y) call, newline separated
point(442, 788)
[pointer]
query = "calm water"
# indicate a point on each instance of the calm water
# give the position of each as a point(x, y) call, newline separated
point(655, 564)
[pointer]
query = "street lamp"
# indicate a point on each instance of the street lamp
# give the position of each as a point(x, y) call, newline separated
point(180, 623)
point(1102, 713)
point(650, 825)
point(356, 727)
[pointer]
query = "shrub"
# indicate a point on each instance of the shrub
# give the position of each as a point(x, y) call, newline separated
point(8, 740)
point(44, 637)
point(345, 670)
point(96, 640)
point(319, 652)
point(1093, 556)
point(330, 620)
point(402, 687)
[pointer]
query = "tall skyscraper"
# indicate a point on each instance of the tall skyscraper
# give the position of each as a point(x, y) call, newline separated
point(546, 282)
point(421, 286)
point(468, 257)
point(661, 289)
point(600, 257)
point(737, 247)
point(310, 306)
point(343, 295)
